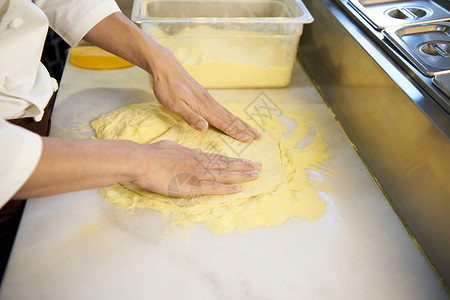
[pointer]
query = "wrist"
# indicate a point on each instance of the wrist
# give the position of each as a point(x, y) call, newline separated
point(158, 59)
point(133, 156)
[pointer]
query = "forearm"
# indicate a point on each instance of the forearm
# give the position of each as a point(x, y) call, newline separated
point(118, 35)
point(72, 165)
point(173, 86)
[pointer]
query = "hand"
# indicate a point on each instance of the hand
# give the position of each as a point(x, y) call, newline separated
point(174, 88)
point(179, 93)
point(173, 170)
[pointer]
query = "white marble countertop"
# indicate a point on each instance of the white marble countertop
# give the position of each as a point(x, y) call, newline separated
point(77, 246)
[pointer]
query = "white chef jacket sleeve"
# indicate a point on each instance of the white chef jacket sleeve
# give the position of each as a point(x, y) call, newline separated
point(20, 151)
point(72, 19)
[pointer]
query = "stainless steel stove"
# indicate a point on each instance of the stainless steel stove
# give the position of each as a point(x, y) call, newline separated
point(384, 13)
point(415, 33)
point(383, 68)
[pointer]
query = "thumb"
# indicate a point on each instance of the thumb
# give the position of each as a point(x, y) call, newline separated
point(191, 117)
point(200, 124)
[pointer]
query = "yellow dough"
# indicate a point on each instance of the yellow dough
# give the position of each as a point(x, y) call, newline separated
point(221, 58)
point(284, 189)
point(226, 74)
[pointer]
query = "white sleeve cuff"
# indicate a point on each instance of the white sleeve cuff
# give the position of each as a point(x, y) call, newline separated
point(20, 151)
point(73, 19)
point(79, 30)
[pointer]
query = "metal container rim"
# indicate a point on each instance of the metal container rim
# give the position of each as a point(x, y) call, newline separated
point(306, 18)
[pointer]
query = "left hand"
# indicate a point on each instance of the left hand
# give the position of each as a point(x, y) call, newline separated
point(179, 93)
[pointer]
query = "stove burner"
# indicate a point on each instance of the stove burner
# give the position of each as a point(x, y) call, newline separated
point(436, 48)
point(408, 12)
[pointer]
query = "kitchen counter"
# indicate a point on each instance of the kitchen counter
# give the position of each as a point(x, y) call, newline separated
point(77, 246)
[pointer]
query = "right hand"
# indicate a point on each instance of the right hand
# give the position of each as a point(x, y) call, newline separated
point(170, 169)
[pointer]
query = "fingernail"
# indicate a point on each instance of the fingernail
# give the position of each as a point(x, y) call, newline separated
point(238, 188)
point(253, 173)
point(246, 138)
point(201, 125)
point(257, 165)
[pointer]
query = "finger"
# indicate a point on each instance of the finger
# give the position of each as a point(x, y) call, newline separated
point(217, 161)
point(197, 150)
point(230, 119)
point(214, 156)
point(237, 133)
point(216, 188)
point(228, 177)
point(242, 166)
point(245, 127)
point(189, 115)
point(218, 116)
point(236, 128)
point(223, 120)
